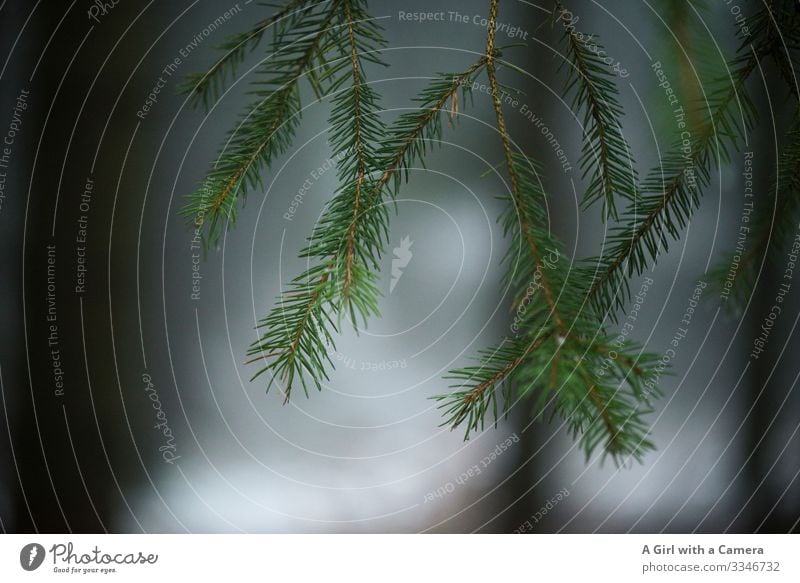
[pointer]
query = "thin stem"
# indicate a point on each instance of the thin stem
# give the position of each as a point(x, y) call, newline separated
point(426, 119)
point(361, 163)
point(514, 179)
point(524, 220)
point(477, 392)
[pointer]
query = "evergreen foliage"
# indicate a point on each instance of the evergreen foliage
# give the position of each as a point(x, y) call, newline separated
point(562, 357)
point(302, 48)
point(671, 192)
point(347, 243)
point(606, 158)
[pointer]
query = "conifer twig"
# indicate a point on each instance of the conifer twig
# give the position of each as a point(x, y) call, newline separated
point(595, 407)
point(202, 88)
point(670, 194)
point(606, 157)
point(348, 241)
point(562, 358)
point(267, 130)
point(298, 331)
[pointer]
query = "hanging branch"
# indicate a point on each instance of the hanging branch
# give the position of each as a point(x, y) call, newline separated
point(348, 241)
point(671, 193)
point(605, 157)
point(205, 88)
point(302, 48)
point(408, 139)
point(562, 358)
point(299, 329)
point(351, 231)
point(560, 351)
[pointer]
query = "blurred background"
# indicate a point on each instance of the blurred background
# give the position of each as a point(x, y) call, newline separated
point(126, 402)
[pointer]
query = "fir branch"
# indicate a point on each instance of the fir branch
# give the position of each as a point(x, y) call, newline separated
point(267, 130)
point(558, 340)
point(344, 242)
point(606, 157)
point(297, 333)
point(205, 88)
point(352, 229)
point(401, 145)
point(477, 387)
point(407, 141)
point(365, 126)
point(563, 360)
point(526, 221)
point(553, 344)
point(672, 190)
point(601, 398)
